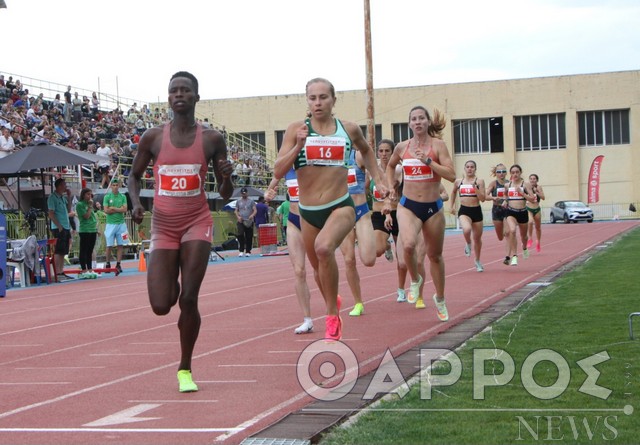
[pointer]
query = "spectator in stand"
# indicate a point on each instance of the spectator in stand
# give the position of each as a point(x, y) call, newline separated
point(77, 108)
point(85, 107)
point(104, 165)
point(14, 95)
point(17, 140)
point(33, 115)
point(63, 136)
point(140, 125)
point(7, 144)
point(66, 110)
point(10, 83)
point(57, 104)
point(43, 135)
point(19, 87)
point(95, 105)
point(85, 140)
point(133, 111)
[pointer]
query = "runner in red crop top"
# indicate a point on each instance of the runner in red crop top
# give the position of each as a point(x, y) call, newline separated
point(181, 229)
point(179, 175)
point(425, 161)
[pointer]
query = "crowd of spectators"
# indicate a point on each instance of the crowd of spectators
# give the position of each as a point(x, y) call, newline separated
point(80, 123)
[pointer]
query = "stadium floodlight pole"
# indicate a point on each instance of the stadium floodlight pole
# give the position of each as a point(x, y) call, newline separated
point(371, 127)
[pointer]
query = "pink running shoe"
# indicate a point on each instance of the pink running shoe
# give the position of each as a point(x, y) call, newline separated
point(538, 249)
point(334, 328)
point(529, 243)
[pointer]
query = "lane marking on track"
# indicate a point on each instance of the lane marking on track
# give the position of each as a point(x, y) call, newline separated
point(128, 415)
point(119, 430)
point(173, 401)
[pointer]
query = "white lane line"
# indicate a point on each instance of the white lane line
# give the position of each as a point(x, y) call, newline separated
point(155, 343)
point(33, 383)
point(173, 401)
point(227, 381)
point(38, 368)
point(254, 365)
point(110, 354)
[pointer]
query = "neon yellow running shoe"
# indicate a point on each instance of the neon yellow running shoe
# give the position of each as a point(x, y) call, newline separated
point(420, 303)
point(414, 291)
point(186, 382)
point(358, 310)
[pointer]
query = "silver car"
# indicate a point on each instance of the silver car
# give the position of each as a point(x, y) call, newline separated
point(570, 211)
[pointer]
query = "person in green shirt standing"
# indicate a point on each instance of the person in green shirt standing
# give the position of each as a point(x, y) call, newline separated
point(283, 212)
point(115, 232)
point(88, 232)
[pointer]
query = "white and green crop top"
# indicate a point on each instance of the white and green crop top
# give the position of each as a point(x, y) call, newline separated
point(325, 150)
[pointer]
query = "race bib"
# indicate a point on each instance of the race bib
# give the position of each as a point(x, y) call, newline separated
point(500, 192)
point(376, 194)
point(467, 190)
point(416, 170)
point(352, 180)
point(292, 188)
point(514, 193)
point(179, 180)
point(320, 150)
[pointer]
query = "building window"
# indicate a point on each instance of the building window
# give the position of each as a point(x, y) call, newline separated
point(540, 132)
point(378, 129)
point(401, 132)
point(473, 136)
point(279, 138)
point(603, 128)
point(255, 138)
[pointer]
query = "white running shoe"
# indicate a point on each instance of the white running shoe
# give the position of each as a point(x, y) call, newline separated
point(414, 290)
point(467, 250)
point(479, 266)
point(305, 327)
point(241, 254)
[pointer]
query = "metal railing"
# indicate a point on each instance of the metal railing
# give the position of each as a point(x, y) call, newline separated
point(50, 89)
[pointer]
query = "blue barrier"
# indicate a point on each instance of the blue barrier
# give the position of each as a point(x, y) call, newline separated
point(3, 255)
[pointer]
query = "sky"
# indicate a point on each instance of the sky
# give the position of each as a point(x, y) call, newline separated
point(246, 48)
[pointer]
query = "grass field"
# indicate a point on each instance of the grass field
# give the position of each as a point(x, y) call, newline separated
point(574, 376)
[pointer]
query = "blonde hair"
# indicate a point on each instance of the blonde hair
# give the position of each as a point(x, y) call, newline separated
point(495, 167)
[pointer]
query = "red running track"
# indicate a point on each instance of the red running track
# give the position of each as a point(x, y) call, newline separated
point(88, 362)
